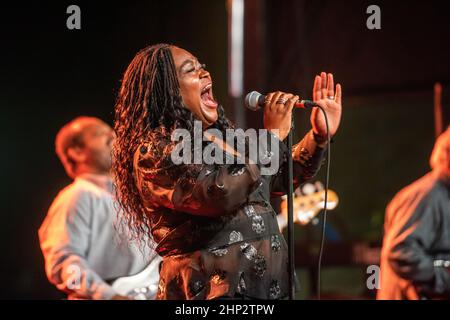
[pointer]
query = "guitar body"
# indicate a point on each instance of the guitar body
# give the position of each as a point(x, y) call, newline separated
point(141, 286)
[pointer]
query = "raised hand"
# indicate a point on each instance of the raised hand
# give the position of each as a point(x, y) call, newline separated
point(325, 95)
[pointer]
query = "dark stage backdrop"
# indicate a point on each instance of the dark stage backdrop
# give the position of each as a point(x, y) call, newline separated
point(50, 75)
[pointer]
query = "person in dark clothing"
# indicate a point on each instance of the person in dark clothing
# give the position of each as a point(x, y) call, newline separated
point(212, 222)
point(415, 258)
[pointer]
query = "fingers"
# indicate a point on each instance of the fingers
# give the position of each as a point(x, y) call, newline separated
point(282, 107)
point(320, 87)
point(324, 87)
point(338, 97)
point(330, 85)
point(269, 98)
point(274, 100)
point(323, 77)
point(317, 90)
point(291, 103)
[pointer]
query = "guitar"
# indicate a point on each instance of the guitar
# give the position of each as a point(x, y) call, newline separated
point(306, 207)
point(141, 286)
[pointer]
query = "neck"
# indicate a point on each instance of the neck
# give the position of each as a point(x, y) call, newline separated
point(83, 169)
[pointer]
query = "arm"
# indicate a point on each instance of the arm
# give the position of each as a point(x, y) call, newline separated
point(197, 189)
point(410, 240)
point(64, 238)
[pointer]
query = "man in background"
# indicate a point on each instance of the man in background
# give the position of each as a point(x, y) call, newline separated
point(82, 248)
point(415, 259)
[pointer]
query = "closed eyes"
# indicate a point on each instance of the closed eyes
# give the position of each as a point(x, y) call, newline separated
point(193, 68)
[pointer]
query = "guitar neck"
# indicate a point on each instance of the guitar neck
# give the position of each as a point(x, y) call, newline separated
point(307, 207)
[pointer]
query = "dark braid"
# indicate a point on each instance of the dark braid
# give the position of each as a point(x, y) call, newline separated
point(149, 98)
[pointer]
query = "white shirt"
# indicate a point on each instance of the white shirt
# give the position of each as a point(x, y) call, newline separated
point(81, 245)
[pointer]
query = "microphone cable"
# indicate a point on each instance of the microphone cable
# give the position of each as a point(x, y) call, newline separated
point(327, 179)
point(252, 101)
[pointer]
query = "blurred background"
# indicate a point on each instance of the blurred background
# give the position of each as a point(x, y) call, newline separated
point(50, 75)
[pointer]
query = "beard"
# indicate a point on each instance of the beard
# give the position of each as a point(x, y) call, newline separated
point(100, 160)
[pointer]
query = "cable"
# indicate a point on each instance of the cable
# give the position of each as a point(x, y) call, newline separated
point(322, 240)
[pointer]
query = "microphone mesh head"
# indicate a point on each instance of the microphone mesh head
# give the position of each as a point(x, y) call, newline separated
point(251, 100)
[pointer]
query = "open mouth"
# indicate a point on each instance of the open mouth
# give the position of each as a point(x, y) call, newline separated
point(207, 96)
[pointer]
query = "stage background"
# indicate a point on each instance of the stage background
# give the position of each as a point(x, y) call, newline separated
point(50, 74)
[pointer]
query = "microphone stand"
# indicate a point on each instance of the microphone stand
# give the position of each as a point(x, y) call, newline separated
point(290, 215)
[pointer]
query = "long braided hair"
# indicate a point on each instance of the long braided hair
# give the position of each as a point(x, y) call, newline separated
point(149, 98)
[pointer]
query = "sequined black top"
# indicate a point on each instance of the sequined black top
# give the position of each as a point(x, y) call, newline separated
point(213, 223)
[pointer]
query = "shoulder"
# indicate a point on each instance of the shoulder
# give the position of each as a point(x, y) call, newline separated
point(413, 195)
point(77, 194)
point(72, 203)
point(152, 158)
point(154, 148)
point(419, 188)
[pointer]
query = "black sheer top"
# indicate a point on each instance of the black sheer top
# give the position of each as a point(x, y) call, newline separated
point(214, 225)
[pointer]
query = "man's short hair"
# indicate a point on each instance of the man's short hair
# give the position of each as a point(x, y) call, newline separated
point(70, 136)
point(440, 157)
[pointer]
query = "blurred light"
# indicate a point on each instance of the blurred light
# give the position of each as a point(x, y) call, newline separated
point(237, 48)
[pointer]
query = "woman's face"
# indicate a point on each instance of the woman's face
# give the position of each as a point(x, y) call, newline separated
point(195, 86)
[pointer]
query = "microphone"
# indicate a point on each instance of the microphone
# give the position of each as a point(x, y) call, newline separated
point(255, 100)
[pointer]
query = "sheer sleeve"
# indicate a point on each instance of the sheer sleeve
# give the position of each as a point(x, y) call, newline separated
point(307, 158)
point(197, 189)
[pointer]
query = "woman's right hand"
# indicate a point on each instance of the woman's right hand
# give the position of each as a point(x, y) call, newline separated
point(278, 113)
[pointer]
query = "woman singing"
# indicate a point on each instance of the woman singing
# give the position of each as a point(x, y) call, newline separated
point(213, 223)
